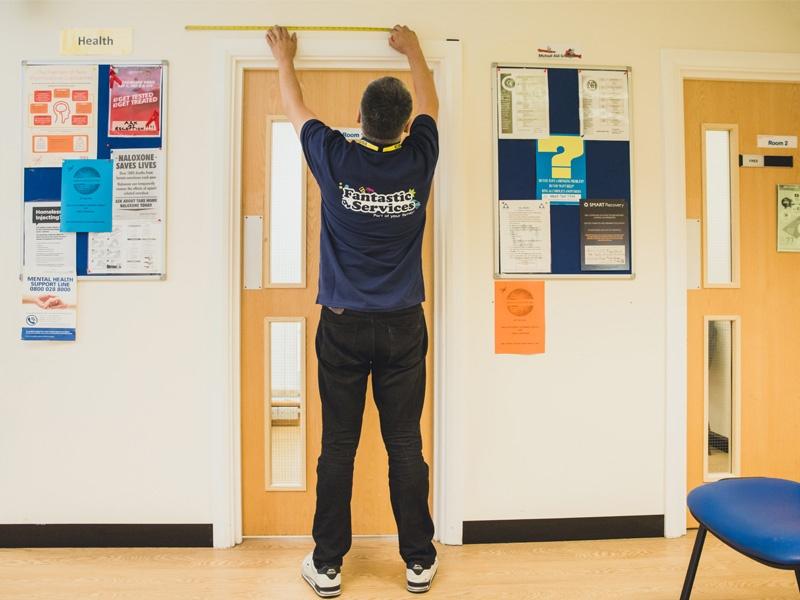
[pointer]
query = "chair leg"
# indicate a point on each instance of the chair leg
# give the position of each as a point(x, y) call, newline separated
point(688, 583)
point(797, 574)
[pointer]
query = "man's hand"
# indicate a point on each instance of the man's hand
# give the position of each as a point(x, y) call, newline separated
point(283, 45)
point(404, 40)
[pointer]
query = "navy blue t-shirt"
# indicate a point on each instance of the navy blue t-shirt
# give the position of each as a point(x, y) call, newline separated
point(373, 215)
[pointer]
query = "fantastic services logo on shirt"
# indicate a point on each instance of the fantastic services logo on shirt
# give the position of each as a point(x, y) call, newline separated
point(367, 200)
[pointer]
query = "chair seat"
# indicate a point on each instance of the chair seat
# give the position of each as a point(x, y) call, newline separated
point(757, 516)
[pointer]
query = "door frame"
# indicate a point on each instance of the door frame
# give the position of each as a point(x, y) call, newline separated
point(677, 65)
point(231, 56)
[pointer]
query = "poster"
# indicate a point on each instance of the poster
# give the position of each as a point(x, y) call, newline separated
point(60, 114)
point(134, 101)
point(86, 195)
point(605, 235)
point(131, 248)
point(135, 244)
point(524, 104)
point(525, 236)
point(789, 218)
point(519, 318)
point(49, 306)
point(46, 247)
point(561, 169)
point(604, 105)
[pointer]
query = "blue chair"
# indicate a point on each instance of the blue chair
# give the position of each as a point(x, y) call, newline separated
point(757, 516)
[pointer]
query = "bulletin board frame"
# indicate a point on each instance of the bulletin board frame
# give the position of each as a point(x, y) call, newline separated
point(102, 124)
point(498, 272)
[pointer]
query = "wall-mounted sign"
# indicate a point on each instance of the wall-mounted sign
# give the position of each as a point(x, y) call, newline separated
point(759, 160)
point(752, 160)
point(560, 51)
point(97, 42)
point(777, 141)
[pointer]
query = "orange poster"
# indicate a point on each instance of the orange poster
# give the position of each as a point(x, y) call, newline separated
point(518, 317)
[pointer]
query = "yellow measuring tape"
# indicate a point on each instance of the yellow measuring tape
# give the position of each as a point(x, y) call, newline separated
point(291, 27)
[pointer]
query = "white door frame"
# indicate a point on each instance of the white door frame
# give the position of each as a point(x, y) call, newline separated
point(677, 65)
point(232, 55)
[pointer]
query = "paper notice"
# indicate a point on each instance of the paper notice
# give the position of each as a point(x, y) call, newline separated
point(523, 102)
point(605, 237)
point(519, 317)
point(49, 305)
point(604, 105)
point(135, 246)
point(46, 246)
point(60, 114)
point(525, 236)
point(134, 101)
point(788, 218)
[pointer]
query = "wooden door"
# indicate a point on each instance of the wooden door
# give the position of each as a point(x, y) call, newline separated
point(761, 304)
point(334, 96)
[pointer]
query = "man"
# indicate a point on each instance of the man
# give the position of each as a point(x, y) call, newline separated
point(374, 195)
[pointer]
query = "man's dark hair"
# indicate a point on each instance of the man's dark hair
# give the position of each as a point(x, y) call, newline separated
point(385, 109)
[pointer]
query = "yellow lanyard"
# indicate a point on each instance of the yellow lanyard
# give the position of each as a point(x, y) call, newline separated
point(372, 146)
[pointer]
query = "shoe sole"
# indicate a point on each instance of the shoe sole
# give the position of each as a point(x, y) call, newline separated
point(331, 592)
point(415, 588)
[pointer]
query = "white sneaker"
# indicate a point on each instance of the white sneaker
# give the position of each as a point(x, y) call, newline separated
point(418, 579)
point(325, 581)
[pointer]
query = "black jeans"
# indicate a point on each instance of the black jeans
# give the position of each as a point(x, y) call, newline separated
point(392, 346)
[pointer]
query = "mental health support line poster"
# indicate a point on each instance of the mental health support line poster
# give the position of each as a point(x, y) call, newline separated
point(49, 306)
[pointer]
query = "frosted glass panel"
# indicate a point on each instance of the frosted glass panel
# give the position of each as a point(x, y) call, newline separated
point(720, 377)
point(286, 234)
point(285, 357)
point(285, 433)
point(719, 259)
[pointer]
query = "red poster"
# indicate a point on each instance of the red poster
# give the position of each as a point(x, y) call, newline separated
point(134, 101)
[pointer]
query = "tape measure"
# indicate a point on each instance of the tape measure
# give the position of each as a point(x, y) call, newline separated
point(291, 27)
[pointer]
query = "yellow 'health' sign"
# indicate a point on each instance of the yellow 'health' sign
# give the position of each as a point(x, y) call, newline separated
point(98, 42)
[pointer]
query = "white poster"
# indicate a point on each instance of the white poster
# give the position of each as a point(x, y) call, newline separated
point(60, 114)
point(132, 248)
point(135, 245)
point(46, 247)
point(789, 218)
point(49, 306)
point(523, 102)
point(525, 236)
point(604, 105)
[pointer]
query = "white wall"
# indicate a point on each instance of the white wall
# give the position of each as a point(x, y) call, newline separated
point(116, 427)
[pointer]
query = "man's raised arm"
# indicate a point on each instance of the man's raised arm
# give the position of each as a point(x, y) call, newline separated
point(405, 42)
point(284, 48)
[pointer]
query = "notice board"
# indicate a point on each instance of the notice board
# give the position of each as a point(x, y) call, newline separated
point(562, 171)
point(111, 112)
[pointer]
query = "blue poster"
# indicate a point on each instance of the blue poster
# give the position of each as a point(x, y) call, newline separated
point(561, 169)
point(86, 195)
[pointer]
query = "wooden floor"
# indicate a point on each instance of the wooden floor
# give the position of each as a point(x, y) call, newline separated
point(269, 570)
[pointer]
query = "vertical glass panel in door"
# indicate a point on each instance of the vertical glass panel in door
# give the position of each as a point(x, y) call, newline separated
point(285, 432)
point(721, 387)
point(286, 208)
point(718, 211)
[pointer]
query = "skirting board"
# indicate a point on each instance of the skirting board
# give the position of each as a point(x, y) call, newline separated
point(561, 530)
point(193, 535)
